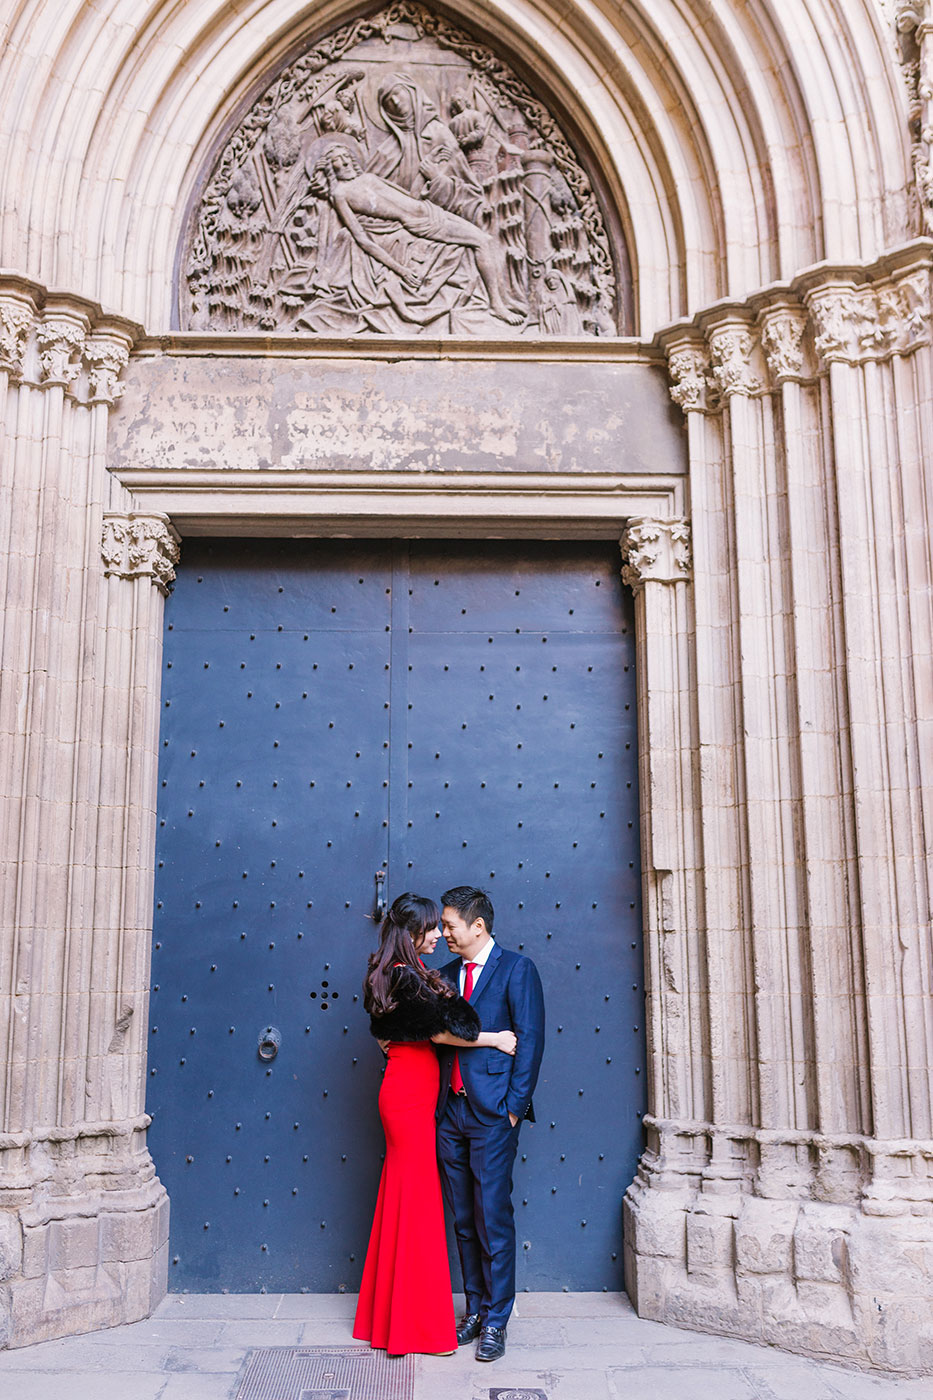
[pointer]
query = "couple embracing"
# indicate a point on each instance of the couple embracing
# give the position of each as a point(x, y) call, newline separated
point(454, 1094)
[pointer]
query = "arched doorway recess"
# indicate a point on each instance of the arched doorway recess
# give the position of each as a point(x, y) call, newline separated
point(780, 286)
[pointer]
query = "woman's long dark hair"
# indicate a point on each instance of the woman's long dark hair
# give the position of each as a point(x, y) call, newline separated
point(402, 928)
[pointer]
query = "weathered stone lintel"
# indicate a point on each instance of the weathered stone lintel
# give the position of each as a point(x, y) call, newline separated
point(137, 545)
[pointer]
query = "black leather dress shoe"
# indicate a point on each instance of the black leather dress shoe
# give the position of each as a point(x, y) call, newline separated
point(468, 1328)
point(491, 1344)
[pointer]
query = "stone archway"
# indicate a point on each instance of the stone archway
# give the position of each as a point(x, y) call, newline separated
point(780, 275)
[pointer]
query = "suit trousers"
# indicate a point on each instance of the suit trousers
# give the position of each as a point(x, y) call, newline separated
point(476, 1162)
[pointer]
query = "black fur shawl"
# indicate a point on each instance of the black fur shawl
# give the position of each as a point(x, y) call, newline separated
point(420, 1012)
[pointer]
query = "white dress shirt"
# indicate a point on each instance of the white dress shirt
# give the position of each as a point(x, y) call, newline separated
point(479, 961)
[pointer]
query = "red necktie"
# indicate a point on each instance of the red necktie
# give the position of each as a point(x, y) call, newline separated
point(456, 1079)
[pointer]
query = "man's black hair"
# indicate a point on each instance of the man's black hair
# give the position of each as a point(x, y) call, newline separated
point(470, 903)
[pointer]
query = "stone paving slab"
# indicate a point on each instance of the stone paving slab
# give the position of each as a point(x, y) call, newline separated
point(316, 1306)
point(222, 1360)
point(113, 1386)
point(194, 1387)
point(570, 1346)
point(224, 1305)
point(158, 1331)
point(270, 1333)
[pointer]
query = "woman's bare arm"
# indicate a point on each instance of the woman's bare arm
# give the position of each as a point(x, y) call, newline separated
point(505, 1041)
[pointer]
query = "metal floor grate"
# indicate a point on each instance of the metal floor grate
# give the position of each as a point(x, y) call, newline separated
point(510, 1393)
point(326, 1373)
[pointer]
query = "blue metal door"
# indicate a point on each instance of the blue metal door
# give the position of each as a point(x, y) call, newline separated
point(443, 712)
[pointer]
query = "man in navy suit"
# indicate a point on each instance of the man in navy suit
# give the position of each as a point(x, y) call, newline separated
point(484, 1097)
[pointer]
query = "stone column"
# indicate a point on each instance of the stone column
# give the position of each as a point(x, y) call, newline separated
point(83, 1219)
point(772, 897)
point(833, 1003)
point(656, 564)
point(656, 558)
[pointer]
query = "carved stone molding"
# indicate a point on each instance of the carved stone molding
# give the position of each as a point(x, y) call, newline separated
point(138, 545)
point(49, 339)
point(914, 20)
point(689, 370)
point(61, 344)
point(399, 178)
point(655, 551)
point(731, 351)
point(782, 335)
point(856, 323)
point(16, 321)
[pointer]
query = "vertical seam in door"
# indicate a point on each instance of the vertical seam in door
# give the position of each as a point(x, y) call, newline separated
point(398, 720)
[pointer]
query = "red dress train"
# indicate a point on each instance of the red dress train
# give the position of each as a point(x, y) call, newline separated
point(406, 1303)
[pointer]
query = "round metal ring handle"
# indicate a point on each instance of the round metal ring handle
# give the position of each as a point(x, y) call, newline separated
point(269, 1041)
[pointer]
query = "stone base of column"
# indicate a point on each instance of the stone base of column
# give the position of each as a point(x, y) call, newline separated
point(849, 1281)
point(87, 1245)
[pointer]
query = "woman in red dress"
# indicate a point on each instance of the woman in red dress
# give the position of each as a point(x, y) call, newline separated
point(406, 1302)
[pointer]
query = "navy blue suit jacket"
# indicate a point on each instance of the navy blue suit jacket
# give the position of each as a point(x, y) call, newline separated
point(508, 996)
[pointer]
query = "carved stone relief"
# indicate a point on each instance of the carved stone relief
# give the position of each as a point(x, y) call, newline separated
point(15, 324)
point(858, 323)
point(782, 337)
point(61, 344)
point(140, 545)
point(914, 20)
point(399, 178)
point(690, 378)
point(731, 354)
point(655, 551)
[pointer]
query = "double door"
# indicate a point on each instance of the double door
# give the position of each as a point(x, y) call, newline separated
point(342, 721)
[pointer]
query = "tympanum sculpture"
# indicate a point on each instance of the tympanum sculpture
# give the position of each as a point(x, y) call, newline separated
point(399, 178)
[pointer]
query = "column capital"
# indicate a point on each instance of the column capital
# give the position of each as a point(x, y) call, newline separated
point(140, 545)
point(688, 367)
point(655, 551)
point(106, 356)
point(782, 339)
point(60, 337)
point(16, 319)
point(855, 323)
point(732, 353)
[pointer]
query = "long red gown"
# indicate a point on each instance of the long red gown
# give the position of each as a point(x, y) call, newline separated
point(406, 1304)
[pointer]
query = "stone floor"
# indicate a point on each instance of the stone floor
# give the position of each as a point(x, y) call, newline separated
point(580, 1346)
